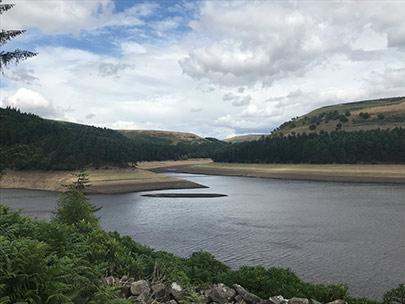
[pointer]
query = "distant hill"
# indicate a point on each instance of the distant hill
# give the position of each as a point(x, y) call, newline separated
point(386, 113)
point(163, 137)
point(243, 138)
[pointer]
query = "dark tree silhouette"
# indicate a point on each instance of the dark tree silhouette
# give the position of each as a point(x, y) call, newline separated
point(7, 57)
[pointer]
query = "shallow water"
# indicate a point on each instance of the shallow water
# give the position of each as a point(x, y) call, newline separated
point(325, 232)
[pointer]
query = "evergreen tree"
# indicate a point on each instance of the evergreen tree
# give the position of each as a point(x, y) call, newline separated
point(7, 57)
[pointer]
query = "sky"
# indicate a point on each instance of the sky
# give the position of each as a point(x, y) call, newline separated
point(214, 68)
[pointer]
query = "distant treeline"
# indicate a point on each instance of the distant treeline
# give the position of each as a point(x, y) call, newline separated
point(30, 142)
point(371, 146)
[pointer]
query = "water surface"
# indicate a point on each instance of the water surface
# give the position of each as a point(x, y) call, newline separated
point(325, 232)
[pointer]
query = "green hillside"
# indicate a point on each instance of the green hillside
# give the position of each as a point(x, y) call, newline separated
point(28, 141)
point(387, 113)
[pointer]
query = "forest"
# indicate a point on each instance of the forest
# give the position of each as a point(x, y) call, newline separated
point(371, 146)
point(28, 141)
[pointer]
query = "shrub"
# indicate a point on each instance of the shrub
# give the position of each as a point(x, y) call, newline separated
point(395, 296)
point(74, 208)
point(364, 115)
point(204, 268)
point(343, 118)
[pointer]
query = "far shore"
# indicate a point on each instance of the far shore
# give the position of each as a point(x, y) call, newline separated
point(106, 181)
point(357, 173)
point(150, 176)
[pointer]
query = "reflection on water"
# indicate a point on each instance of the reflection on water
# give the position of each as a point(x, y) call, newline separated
point(325, 232)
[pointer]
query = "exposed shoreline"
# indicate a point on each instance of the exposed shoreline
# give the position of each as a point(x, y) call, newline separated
point(356, 173)
point(103, 181)
point(123, 180)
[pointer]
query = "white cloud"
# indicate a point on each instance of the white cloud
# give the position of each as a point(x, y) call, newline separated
point(30, 101)
point(72, 17)
point(286, 39)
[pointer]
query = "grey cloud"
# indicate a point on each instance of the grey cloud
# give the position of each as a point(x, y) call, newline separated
point(229, 97)
point(90, 116)
point(24, 75)
point(241, 90)
point(237, 100)
point(195, 110)
point(243, 101)
point(112, 69)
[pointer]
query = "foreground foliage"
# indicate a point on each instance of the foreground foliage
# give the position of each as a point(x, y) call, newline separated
point(65, 259)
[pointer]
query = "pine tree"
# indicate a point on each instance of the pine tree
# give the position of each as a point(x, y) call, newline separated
point(7, 57)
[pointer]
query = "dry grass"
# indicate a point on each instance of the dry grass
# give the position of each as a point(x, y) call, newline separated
point(243, 138)
point(172, 163)
point(173, 136)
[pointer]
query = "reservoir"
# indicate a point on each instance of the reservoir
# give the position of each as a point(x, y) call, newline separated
point(325, 232)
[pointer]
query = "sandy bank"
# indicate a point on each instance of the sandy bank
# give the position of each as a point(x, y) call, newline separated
point(335, 172)
point(102, 181)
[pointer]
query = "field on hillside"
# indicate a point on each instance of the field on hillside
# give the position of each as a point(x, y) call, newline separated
point(243, 138)
point(364, 115)
point(165, 137)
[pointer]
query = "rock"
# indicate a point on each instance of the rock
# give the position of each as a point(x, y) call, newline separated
point(140, 287)
point(269, 301)
point(176, 291)
point(125, 291)
point(338, 302)
point(248, 297)
point(299, 301)
point(110, 281)
point(170, 302)
point(221, 293)
point(159, 291)
point(278, 300)
point(313, 301)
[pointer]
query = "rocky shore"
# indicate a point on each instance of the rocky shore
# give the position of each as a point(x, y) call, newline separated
point(155, 292)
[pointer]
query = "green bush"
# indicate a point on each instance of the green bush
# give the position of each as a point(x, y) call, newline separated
point(395, 296)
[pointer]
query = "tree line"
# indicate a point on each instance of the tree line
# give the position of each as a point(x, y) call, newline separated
point(371, 146)
point(28, 141)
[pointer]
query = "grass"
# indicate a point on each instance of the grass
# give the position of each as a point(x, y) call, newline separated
point(393, 110)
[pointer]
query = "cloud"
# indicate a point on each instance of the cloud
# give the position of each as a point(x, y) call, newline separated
point(295, 38)
point(237, 100)
point(112, 69)
point(72, 17)
point(30, 101)
point(22, 75)
point(90, 116)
